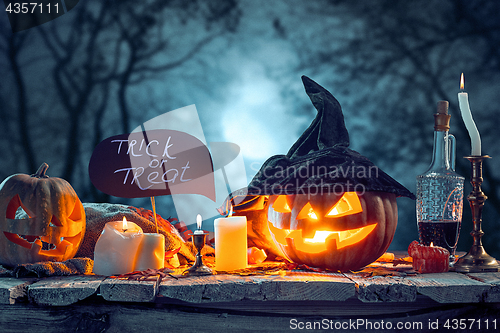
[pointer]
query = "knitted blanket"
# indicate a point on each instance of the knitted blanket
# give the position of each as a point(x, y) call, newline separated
point(73, 266)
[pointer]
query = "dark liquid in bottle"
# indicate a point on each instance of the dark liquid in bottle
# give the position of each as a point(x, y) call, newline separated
point(443, 234)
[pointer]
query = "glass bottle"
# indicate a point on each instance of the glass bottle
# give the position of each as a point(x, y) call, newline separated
point(440, 190)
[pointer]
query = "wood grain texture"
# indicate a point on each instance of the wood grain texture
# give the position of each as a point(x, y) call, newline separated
point(349, 307)
point(13, 290)
point(315, 286)
point(450, 287)
point(384, 289)
point(120, 290)
point(493, 279)
point(228, 288)
point(132, 317)
point(288, 286)
point(63, 290)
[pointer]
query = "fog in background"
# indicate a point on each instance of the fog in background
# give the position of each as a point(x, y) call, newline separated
point(106, 67)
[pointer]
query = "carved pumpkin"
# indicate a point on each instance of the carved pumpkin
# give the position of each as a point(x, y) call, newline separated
point(342, 232)
point(314, 213)
point(55, 224)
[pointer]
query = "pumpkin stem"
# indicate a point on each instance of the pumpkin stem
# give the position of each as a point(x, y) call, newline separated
point(41, 171)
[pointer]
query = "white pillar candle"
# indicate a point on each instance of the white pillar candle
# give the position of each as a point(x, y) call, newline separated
point(151, 252)
point(116, 249)
point(463, 102)
point(230, 243)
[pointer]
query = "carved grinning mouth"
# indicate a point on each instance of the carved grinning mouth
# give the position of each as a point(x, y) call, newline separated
point(38, 245)
point(41, 245)
point(318, 244)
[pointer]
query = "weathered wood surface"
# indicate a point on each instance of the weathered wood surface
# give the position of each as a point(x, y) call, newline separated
point(119, 290)
point(349, 307)
point(451, 287)
point(257, 303)
point(493, 295)
point(444, 288)
point(63, 290)
point(230, 288)
point(117, 317)
point(384, 289)
point(12, 290)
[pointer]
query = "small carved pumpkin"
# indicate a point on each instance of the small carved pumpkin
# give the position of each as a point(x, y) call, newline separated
point(55, 224)
point(342, 232)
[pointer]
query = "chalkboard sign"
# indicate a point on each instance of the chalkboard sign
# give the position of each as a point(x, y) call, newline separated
point(152, 163)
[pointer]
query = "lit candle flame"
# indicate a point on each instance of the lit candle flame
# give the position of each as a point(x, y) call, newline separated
point(198, 221)
point(463, 103)
point(125, 224)
point(431, 245)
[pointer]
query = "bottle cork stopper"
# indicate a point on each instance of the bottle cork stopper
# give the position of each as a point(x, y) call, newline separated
point(442, 107)
point(442, 118)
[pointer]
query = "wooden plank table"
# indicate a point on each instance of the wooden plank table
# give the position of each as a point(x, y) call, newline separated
point(257, 303)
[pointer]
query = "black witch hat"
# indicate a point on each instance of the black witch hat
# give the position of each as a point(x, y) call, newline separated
point(320, 160)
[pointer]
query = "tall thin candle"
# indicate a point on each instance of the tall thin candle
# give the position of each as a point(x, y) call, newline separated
point(463, 102)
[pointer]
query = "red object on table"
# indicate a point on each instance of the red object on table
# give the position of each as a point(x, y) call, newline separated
point(429, 259)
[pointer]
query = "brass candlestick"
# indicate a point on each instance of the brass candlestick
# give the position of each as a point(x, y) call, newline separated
point(476, 260)
point(198, 268)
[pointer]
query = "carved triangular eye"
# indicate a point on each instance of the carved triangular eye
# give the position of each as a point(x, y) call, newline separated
point(54, 222)
point(14, 205)
point(281, 205)
point(307, 212)
point(76, 214)
point(347, 205)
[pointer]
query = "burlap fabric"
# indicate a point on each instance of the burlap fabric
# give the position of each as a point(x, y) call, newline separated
point(98, 214)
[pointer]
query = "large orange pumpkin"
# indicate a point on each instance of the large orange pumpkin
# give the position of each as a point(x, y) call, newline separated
point(338, 231)
point(55, 223)
point(314, 213)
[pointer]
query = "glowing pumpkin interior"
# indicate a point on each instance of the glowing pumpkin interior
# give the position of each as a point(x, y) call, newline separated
point(348, 204)
point(59, 239)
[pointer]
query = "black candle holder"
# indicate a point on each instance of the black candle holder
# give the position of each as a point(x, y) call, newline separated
point(198, 268)
point(476, 260)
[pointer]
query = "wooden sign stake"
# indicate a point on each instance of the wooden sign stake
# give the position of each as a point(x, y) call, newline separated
point(153, 204)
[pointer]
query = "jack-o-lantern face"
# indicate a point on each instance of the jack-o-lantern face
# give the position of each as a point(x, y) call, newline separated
point(343, 231)
point(55, 223)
